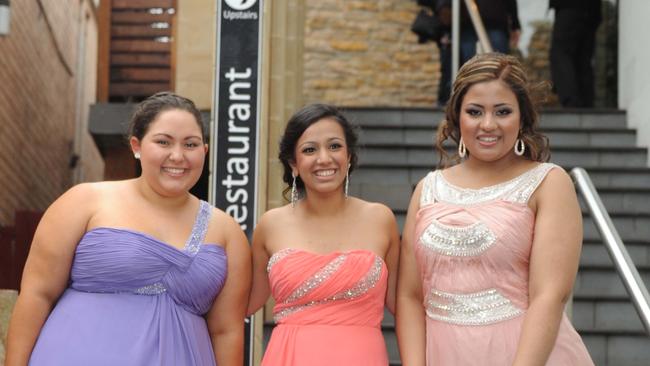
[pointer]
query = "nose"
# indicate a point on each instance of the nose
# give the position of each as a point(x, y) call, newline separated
point(488, 122)
point(176, 153)
point(324, 156)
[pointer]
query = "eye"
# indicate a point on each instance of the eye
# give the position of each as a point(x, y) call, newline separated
point(504, 112)
point(191, 145)
point(308, 150)
point(162, 142)
point(335, 146)
point(474, 112)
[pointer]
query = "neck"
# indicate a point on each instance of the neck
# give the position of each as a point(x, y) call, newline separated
point(492, 167)
point(329, 204)
point(150, 195)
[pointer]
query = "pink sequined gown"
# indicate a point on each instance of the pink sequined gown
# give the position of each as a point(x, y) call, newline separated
point(473, 252)
point(328, 309)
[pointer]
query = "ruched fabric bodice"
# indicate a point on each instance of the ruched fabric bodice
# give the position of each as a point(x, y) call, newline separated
point(328, 308)
point(135, 300)
point(473, 250)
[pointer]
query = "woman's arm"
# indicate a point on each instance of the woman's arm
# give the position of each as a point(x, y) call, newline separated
point(47, 269)
point(410, 312)
point(260, 290)
point(392, 254)
point(553, 266)
point(226, 317)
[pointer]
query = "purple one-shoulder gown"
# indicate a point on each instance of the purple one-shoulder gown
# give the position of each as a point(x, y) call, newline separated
point(135, 300)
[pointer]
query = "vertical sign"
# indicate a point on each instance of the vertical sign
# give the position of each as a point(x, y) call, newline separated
point(235, 117)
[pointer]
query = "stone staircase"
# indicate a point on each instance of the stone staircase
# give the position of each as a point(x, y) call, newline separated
point(398, 151)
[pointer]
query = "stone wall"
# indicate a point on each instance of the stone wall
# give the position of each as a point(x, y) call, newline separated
point(362, 53)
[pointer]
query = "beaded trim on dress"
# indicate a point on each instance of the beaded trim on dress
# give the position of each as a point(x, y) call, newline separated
point(478, 308)
point(519, 189)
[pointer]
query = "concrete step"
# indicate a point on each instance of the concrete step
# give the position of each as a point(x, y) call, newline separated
point(400, 153)
point(595, 256)
point(617, 349)
point(603, 284)
point(614, 176)
point(558, 136)
point(422, 117)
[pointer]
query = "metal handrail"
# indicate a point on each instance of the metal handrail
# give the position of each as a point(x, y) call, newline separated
point(479, 28)
point(615, 247)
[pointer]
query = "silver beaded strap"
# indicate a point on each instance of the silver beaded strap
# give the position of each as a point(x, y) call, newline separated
point(200, 228)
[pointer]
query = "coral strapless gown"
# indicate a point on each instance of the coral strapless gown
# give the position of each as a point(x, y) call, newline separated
point(473, 252)
point(134, 300)
point(328, 309)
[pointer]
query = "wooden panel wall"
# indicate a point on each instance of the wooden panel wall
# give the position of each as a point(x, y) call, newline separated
point(141, 39)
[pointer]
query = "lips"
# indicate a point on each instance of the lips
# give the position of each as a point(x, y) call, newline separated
point(487, 139)
point(325, 173)
point(174, 171)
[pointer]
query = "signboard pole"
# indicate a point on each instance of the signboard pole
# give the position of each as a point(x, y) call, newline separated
point(235, 119)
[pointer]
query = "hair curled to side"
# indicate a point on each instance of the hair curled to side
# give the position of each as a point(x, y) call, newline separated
point(148, 110)
point(298, 123)
point(488, 67)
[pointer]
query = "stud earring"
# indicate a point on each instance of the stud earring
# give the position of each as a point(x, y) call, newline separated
point(520, 147)
point(294, 192)
point(462, 150)
point(136, 155)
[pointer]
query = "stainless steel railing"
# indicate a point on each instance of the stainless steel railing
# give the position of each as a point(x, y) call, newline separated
point(483, 39)
point(615, 247)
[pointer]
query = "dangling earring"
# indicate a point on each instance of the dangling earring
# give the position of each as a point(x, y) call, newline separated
point(294, 192)
point(462, 150)
point(136, 155)
point(520, 147)
point(347, 180)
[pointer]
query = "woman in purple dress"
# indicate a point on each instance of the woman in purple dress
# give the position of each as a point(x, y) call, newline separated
point(137, 272)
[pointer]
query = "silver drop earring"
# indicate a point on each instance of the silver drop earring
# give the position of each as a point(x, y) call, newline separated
point(520, 147)
point(294, 192)
point(462, 150)
point(347, 180)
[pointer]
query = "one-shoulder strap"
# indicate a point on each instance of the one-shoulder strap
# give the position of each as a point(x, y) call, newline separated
point(427, 196)
point(200, 227)
point(528, 183)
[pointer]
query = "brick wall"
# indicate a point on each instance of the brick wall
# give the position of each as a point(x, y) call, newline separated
point(37, 105)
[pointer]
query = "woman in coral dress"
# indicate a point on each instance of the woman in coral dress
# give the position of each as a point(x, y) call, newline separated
point(140, 271)
point(329, 260)
point(491, 245)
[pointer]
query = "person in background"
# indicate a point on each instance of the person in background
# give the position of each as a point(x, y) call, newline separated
point(490, 246)
point(137, 272)
point(501, 21)
point(572, 50)
point(328, 259)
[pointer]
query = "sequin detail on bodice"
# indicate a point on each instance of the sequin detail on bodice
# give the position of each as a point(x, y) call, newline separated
point(461, 223)
point(297, 300)
point(192, 245)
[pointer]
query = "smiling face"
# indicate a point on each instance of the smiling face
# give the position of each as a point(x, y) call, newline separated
point(490, 121)
point(321, 157)
point(172, 152)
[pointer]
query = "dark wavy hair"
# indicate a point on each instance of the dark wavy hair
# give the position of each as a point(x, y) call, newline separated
point(148, 110)
point(297, 125)
point(488, 67)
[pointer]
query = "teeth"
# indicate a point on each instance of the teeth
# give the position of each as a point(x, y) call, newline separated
point(174, 170)
point(325, 173)
point(487, 139)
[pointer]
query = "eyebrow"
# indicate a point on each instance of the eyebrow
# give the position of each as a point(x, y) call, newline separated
point(172, 137)
point(496, 105)
point(328, 140)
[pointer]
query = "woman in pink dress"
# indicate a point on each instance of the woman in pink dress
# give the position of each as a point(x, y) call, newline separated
point(328, 259)
point(491, 245)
